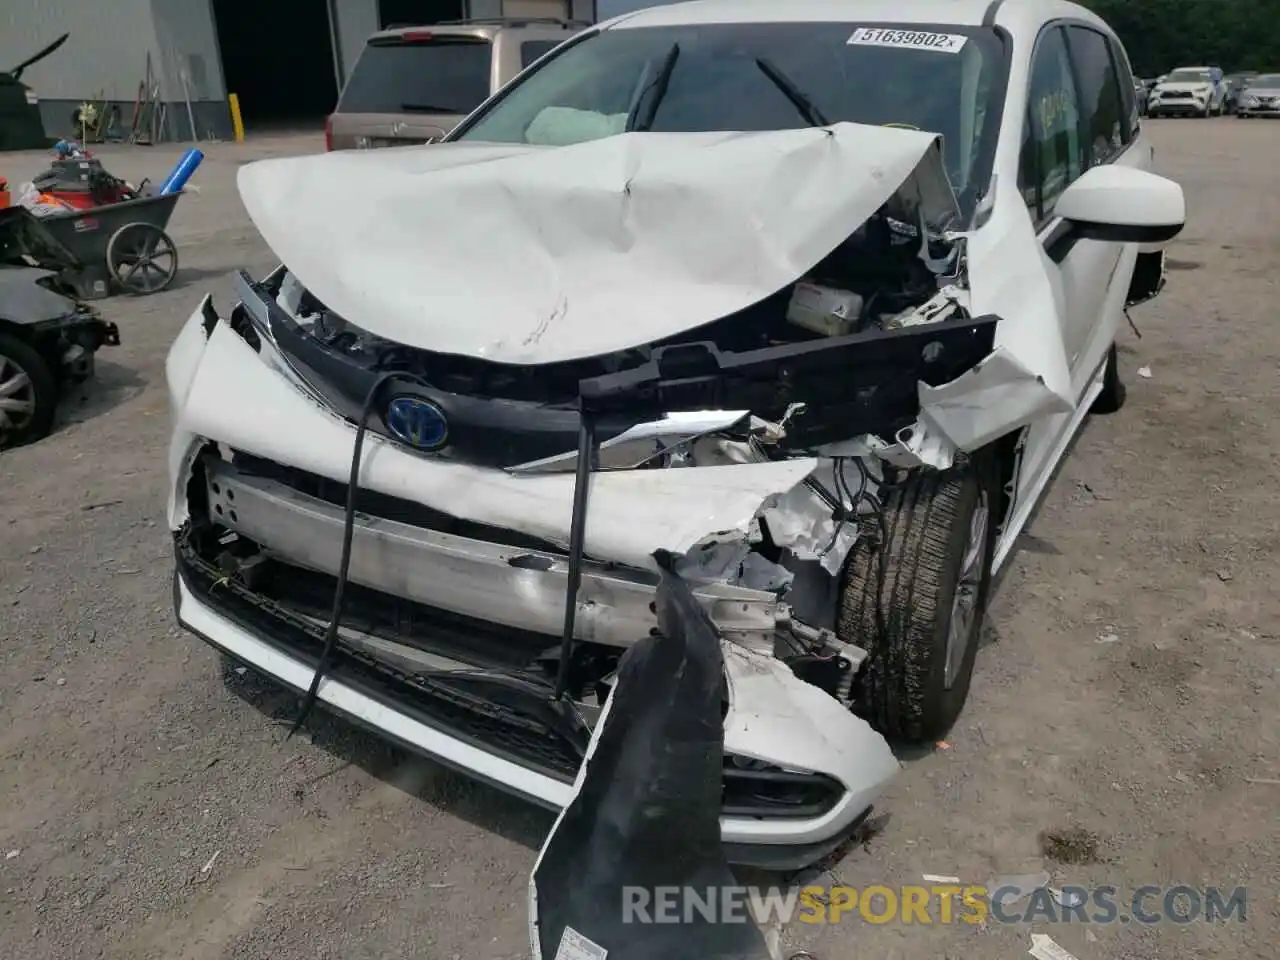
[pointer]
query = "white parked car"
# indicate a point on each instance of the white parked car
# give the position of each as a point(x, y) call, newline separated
point(1189, 91)
point(813, 296)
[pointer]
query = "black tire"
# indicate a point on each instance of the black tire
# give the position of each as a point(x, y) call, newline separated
point(1113, 394)
point(21, 363)
point(903, 689)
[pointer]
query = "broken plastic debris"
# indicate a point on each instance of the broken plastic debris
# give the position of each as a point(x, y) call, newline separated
point(12, 854)
point(1144, 373)
point(943, 745)
point(938, 878)
point(1044, 948)
point(1108, 637)
point(1024, 884)
point(575, 946)
point(1067, 898)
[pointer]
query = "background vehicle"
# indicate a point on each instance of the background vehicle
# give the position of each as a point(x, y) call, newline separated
point(1260, 97)
point(1235, 83)
point(1143, 94)
point(413, 84)
point(46, 342)
point(1189, 92)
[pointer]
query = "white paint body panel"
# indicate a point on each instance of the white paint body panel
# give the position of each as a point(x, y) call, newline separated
point(533, 255)
point(773, 717)
point(530, 255)
point(633, 513)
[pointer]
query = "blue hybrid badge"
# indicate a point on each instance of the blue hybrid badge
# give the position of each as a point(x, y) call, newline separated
point(417, 422)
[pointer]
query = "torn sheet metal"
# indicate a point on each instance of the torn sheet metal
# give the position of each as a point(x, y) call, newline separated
point(531, 255)
point(644, 815)
point(227, 393)
point(1027, 375)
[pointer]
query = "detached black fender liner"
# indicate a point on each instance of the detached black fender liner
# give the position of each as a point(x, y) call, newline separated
point(645, 813)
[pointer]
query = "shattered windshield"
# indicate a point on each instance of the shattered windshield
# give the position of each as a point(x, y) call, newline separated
point(765, 76)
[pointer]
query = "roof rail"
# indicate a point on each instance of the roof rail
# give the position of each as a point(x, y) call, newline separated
point(515, 22)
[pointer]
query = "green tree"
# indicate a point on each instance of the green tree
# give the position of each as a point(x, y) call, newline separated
point(1162, 35)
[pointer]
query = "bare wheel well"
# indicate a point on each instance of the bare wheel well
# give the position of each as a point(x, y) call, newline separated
point(1148, 277)
point(1006, 453)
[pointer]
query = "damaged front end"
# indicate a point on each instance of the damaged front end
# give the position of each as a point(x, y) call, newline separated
point(507, 515)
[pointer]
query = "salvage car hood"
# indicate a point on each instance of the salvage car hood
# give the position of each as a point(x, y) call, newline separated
point(532, 255)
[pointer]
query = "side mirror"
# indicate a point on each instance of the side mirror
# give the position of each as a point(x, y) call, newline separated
point(1120, 204)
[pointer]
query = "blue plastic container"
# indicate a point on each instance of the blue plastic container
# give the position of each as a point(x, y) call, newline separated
point(182, 172)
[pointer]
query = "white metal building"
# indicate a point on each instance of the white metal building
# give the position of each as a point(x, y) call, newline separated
point(285, 59)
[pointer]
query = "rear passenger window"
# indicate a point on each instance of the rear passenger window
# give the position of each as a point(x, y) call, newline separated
point(532, 50)
point(1101, 104)
point(1053, 155)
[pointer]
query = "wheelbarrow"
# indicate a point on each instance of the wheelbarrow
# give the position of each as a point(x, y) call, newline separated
point(118, 246)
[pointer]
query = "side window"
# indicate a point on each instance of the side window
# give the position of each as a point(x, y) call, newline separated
point(1052, 153)
point(532, 50)
point(1101, 104)
point(1128, 90)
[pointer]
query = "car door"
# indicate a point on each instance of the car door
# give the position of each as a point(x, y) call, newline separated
point(1078, 116)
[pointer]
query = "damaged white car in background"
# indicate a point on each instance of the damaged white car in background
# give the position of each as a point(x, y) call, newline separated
point(771, 290)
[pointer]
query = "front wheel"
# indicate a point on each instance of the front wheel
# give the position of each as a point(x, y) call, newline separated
point(915, 597)
point(28, 393)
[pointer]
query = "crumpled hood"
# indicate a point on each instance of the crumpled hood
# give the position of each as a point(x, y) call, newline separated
point(534, 254)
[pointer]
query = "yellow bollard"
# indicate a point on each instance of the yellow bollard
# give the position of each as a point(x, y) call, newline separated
point(237, 124)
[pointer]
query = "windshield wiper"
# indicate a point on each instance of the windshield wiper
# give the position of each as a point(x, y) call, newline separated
point(428, 108)
point(658, 86)
point(807, 108)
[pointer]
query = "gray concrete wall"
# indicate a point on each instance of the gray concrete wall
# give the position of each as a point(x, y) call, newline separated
point(356, 19)
point(188, 41)
point(106, 53)
point(106, 56)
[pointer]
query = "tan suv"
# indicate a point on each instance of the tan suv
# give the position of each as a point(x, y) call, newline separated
point(414, 84)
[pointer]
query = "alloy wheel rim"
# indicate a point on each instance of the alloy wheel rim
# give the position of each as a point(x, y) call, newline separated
point(964, 606)
point(17, 397)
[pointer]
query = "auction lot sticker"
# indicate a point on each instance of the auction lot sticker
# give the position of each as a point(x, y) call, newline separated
point(908, 39)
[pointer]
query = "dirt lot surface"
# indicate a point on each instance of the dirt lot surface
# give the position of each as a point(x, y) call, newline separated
point(147, 809)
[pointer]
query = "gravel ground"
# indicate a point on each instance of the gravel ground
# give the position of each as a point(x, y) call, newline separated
point(151, 809)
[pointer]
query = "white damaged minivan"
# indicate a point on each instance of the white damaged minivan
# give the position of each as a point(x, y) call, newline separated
point(811, 296)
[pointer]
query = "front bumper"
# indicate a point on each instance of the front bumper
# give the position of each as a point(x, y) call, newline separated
point(357, 693)
point(1176, 108)
point(454, 590)
point(511, 586)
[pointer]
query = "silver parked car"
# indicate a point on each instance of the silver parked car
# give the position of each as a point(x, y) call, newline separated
point(1261, 97)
